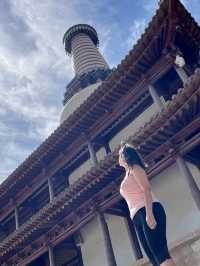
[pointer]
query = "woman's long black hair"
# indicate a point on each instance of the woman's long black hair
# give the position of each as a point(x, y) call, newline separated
point(131, 156)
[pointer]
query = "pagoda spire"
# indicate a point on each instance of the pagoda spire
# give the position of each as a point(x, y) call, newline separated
point(90, 68)
point(81, 41)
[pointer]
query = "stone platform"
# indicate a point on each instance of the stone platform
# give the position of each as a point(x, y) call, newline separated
point(186, 252)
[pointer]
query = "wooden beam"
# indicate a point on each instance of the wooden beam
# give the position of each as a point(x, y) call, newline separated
point(115, 212)
point(103, 122)
point(104, 205)
point(188, 132)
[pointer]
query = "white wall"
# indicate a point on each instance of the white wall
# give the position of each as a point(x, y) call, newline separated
point(101, 154)
point(86, 166)
point(80, 171)
point(195, 172)
point(169, 186)
point(133, 127)
point(120, 240)
point(76, 101)
point(183, 216)
point(93, 249)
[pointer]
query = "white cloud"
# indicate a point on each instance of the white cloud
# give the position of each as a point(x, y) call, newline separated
point(149, 6)
point(34, 69)
point(136, 31)
point(193, 6)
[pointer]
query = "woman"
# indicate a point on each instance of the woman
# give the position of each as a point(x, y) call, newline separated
point(147, 213)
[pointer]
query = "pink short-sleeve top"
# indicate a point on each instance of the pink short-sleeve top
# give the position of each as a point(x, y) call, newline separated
point(131, 191)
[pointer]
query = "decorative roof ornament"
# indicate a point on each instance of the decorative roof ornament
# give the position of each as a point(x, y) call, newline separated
point(179, 61)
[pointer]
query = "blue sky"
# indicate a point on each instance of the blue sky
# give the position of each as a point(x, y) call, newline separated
point(34, 69)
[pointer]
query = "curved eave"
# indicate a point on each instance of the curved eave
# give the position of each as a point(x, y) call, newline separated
point(184, 105)
point(116, 78)
point(119, 77)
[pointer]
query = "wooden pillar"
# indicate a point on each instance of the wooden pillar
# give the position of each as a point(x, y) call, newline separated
point(16, 218)
point(156, 98)
point(78, 237)
point(51, 192)
point(107, 148)
point(63, 174)
point(51, 256)
point(180, 161)
point(181, 73)
point(4, 264)
point(190, 180)
point(107, 240)
point(66, 179)
point(132, 233)
point(133, 238)
point(92, 153)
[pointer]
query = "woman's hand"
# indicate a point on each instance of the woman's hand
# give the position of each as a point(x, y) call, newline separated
point(151, 221)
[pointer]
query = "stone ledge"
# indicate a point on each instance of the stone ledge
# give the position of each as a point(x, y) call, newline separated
point(192, 237)
point(185, 252)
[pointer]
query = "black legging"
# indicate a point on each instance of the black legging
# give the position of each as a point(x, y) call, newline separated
point(154, 241)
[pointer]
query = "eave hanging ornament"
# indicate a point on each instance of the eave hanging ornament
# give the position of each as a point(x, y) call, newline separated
point(179, 64)
point(179, 61)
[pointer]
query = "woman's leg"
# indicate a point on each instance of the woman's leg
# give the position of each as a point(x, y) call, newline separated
point(138, 226)
point(146, 248)
point(156, 238)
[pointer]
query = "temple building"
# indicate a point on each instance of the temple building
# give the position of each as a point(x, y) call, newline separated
point(62, 206)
